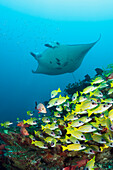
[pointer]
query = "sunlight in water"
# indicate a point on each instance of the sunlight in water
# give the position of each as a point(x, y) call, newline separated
point(64, 9)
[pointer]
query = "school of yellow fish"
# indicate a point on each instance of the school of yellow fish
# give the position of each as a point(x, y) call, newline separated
point(86, 116)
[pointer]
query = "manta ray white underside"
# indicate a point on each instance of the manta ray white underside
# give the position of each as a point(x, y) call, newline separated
point(59, 59)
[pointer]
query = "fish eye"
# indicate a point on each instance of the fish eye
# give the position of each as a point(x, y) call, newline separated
point(87, 169)
point(109, 103)
point(91, 150)
point(111, 144)
point(52, 143)
point(98, 100)
point(82, 136)
point(92, 127)
point(82, 146)
point(77, 141)
point(80, 122)
point(99, 126)
point(68, 140)
point(56, 125)
point(104, 105)
point(45, 145)
point(74, 116)
point(93, 102)
point(52, 133)
point(102, 140)
point(99, 149)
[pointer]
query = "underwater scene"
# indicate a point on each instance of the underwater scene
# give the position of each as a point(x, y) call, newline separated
point(56, 85)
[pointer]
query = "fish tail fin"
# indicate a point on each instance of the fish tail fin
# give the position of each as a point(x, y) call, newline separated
point(33, 142)
point(35, 132)
point(24, 121)
point(68, 132)
point(60, 96)
point(89, 113)
point(67, 97)
point(81, 92)
point(91, 94)
point(102, 100)
point(64, 118)
point(42, 127)
point(59, 90)
point(66, 137)
point(69, 125)
point(75, 129)
point(64, 148)
point(91, 83)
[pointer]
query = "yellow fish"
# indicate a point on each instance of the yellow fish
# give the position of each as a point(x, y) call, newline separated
point(71, 139)
point(55, 92)
point(76, 123)
point(98, 138)
point(89, 89)
point(51, 102)
point(38, 133)
point(70, 117)
point(87, 128)
point(101, 108)
point(97, 80)
point(75, 95)
point(86, 105)
point(96, 93)
point(90, 164)
point(40, 144)
point(30, 122)
point(6, 124)
point(77, 134)
point(45, 119)
point(73, 147)
point(60, 100)
point(110, 115)
point(49, 132)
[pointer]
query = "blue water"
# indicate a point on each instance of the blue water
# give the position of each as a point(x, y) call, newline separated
point(22, 33)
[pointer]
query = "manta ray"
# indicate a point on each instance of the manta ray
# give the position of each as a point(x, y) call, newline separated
point(59, 59)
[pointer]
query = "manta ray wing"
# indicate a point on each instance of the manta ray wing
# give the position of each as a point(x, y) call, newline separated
point(63, 59)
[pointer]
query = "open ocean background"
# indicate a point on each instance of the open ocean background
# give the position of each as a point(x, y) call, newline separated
point(22, 31)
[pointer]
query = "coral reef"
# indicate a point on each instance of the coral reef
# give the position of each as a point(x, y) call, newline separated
point(49, 142)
